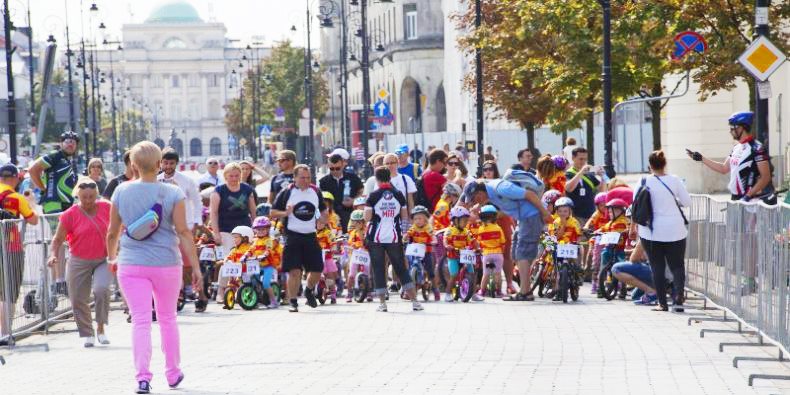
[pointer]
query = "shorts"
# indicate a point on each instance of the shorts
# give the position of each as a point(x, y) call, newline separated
point(641, 271)
point(16, 262)
point(453, 266)
point(267, 275)
point(497, 259)
point(330, 266)
point(302, 252)
point(528, 233)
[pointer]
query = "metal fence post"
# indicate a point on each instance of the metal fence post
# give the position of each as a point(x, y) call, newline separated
point(8, 307)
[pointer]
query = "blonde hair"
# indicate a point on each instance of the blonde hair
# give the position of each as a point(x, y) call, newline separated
point(96, 161)
point(146, 157)
point(81, 180)
point(230, 167)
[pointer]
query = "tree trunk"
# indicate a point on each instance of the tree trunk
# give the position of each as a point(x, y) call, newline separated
point(655, 113)
point(564, 138)
point(590, 128)
point(531, 136)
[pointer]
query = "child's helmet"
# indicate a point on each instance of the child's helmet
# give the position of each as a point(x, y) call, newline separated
point(243, 231)
point(261, 222)
point(357, 215)
point(559, 162)
point(263, 210)
point(550, 197)
point(458, 212)
point(328, 195)
point(360, 201)
point(420, 210)
point(617, 202)
point(451, 189)
point(488, 209)
point(563, 202)
point(600, 197)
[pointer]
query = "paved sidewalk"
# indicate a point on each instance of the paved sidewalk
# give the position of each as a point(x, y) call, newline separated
point(494, 347)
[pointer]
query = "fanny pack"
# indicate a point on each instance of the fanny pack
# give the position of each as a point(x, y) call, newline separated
point(145, 226)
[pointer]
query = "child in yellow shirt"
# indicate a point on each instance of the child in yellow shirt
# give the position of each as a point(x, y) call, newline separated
point(242, 238)
point(262, 248)
point(421, 232)
point(456, 238)
point(491, 239)
point(356, 241)
point(326, 239)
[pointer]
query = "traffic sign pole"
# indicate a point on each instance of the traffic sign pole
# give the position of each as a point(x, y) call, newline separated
point(761, 104)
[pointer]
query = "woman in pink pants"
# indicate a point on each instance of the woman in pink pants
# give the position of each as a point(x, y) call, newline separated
point(153, 215)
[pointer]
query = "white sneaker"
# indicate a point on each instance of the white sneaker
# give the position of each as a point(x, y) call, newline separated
point(448, 298)
point(416, 306)
point(274, 305)
point(103, 339)
point(477, 298)
point(382, 308)
point(88, 341)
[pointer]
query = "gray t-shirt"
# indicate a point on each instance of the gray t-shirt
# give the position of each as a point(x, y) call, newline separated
point(133, 199)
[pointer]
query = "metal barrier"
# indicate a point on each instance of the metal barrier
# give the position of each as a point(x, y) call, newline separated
point(33, 295)
point(738, 256)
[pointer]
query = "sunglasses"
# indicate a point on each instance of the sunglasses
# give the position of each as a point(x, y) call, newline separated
point(335, 168)
point(282, 159)
point(453, 163)
point(213, 163)
point(391, 163)
point(87, 185)
point(488, 169)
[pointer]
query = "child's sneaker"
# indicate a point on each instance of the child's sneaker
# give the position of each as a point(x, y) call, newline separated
point(382, 307)
point(477, 298)
point(274, 305)
point(416, 306)
point(499, 294)
point(448, 298)
point(436, 295)
point(594, 288)
point(348, 298)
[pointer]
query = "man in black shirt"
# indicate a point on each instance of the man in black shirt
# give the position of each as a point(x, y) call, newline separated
point(524, 161)
point(286, 160)
point(127, 175)
point(342, 184)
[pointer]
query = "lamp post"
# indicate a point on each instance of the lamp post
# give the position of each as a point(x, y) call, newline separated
point(9, 52)
point(607, 87)
point(112, 103)
point(479, 91)
point(762, 28)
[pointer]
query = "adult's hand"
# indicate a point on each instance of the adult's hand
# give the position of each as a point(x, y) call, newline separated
point(197, 278)
point(547, 218)
point(52, 261)
point(217, 238)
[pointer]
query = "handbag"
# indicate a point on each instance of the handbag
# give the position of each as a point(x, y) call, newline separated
point(147, 224)
point(95, 225)
point(682, 214)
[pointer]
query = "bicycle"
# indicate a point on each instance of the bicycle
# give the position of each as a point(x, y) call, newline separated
point(569, 273)
point(417, 273)
point(543, 274)
point(465, 279)
point(360, 269)
point(608, 284)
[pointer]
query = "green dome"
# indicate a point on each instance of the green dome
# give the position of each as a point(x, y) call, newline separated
point(174, 12)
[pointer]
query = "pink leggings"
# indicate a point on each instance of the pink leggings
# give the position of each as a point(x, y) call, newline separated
point(139, 284)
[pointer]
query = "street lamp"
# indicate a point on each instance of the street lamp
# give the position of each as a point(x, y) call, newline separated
point(607, 87)
point(112, 95)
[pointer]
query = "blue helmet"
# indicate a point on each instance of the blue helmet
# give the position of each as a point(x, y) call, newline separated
point(743, 118)
point(488, 209)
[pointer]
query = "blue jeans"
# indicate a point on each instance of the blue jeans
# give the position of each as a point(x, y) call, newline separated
point(639, 270)
point(267, 275)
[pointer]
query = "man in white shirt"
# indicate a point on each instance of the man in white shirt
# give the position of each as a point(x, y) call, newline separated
point(169, 174)
point(212, 175)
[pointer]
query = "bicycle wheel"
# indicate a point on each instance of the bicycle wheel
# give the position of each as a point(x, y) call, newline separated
point(229, 299)
point(248, 298)
point(564, 284)
point(363, 289)
point(611, 288)
point(320, 292)
point(537, 279)
point(276, 292)
point(575, 293)
point(467, 286)
point(181, 301)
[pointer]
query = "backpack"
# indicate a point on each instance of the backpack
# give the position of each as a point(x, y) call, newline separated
point(642, 207)
point(525, 180)
point(420, 197)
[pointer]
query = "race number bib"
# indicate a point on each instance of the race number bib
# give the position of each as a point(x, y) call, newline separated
point(568, 251)
point(360, 257)
point(207, 254)
point(253, 266)
point(468, 257)
point(220, 253)
point(416, 250)
point(230, 270)
point(610, 238)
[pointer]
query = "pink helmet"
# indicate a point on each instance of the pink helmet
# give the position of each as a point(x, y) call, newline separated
point(550, 196)
point(559, 162)
point(458, 212)
point(600, 198)
point(261, 222)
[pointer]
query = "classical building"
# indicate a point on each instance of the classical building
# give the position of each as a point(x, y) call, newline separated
point(179, 67)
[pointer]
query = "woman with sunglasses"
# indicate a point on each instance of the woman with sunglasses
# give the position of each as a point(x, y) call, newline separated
point(490, 170)
point(457, 172)
point(96, 173)
point(85, 226)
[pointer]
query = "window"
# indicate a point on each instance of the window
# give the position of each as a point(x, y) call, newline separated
point(195, 148)
point(174, 43)
point(178, 145)
point(175, 110)
point(194, 110)
point(410, 21)
point(214, 109)
point(193, 80)
point(156, 81)
point(213, 80)
point(215, 146)
point(174, 81)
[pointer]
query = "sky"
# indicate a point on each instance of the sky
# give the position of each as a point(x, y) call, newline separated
point(244, 19)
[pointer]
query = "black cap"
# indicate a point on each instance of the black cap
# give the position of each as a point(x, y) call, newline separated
point(9, 170)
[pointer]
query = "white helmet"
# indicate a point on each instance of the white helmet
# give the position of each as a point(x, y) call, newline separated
point(244, 231)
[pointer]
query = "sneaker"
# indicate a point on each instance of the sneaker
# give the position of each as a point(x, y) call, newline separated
point(178, 381)
point(333, 300)
point(436, 295)
point(499, 294)
point(369, 299)
point(294, 307)
point(647, 300)
point(448, 298)
point(88, 341)
point(480, 293)
point(637, 294)
point(511, 290)
point(103, 339)
point(349, 299)
point(416, 306)
point(200, 306)
point(556, 297)
point(274, 305)
point(143, 387)
point(382, 308)
point(394, 287)
point(308, 294)
point(477, 298)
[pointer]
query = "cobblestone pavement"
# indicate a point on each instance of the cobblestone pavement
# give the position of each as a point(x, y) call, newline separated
point(493, 347)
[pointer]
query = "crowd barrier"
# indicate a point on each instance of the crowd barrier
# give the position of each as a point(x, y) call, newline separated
point(42, 298)
point(738, 256)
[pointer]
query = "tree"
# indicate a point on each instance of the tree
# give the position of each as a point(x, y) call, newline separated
point(280, 84)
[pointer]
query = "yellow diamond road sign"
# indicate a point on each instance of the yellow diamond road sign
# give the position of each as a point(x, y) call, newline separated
point(762, 58)
point(383, 93)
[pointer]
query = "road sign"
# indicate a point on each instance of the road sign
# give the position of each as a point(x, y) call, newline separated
point(385, 120)
point(323, 129)
point(383, 94)
point(762, 58)
point(381, 109)
point(688, 41)
point(279, 114)
point(265, 130)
